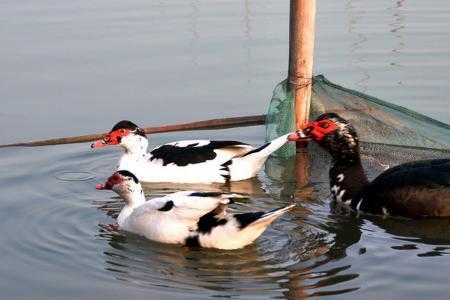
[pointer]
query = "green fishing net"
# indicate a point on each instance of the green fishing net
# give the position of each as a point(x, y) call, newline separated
point(389, 135)
point(376, 121)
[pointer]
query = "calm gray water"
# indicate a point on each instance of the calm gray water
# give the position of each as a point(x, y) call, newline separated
point(77, 67)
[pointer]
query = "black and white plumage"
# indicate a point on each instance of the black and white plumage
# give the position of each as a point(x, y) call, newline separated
point(415, 189)
point(190, 161)
point(188, 218)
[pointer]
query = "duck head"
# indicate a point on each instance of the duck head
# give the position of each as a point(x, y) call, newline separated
point(127, 135)
point(333, 133)
point(126, 185)
point(339, 138)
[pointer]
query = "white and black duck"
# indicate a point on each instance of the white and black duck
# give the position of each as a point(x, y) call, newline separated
point(415, 189)
point(190, 161)
point(188, 218)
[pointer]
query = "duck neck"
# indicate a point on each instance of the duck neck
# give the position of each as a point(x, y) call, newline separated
point(135, 145)
point(133, 200)
point(347, 179)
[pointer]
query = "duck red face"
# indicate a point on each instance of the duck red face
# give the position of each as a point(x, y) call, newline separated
point(316, 131)
point(114, 179)
point(112, 138)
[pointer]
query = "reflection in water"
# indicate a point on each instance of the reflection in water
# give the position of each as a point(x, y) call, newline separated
point(396, 28)
point(433, 231)
point(305, 254)
point(284, 260)
point(48, 222)
point(248, 37)
point(162, 7)
point(193, 28)
point(360, 38)
point(355, 28)
point(248, 32)
point(313, 251)
point(248, 25)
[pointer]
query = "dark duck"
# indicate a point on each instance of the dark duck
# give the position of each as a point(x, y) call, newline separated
point(414, 189)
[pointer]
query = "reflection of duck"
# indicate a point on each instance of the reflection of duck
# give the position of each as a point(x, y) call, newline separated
point(435, 231)
point(415, 189)
point(188, 218)
point(251, 186)
point(193, 161)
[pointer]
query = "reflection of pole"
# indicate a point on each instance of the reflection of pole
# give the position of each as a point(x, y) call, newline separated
point(302, 166)
point(301, 52)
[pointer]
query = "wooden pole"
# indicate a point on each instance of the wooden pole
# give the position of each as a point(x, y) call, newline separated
point(200, 125)
point(301, 52)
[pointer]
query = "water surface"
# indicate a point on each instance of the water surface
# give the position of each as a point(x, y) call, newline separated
point(70, 68)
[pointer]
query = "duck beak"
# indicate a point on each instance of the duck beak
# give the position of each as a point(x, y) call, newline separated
point(106, 186)
point(106, 141)
point(98, 144)
point(299, 136)
point(100, 187)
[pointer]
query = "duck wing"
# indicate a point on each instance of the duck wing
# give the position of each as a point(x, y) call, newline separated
point(419, 188)
point(191, 205)
point(429, 173)
point(191, 152)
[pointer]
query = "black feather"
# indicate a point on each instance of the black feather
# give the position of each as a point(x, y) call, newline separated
point(429, 173)
point(206, 194)
point(226, 167)
point(192, 241)
point(125, 124)
point(226, 177)
point(128, 174)
point(256, 150)
point(415, 189)
point(190, 154)
point(227, 163)
point(208, 222)
point(167, 206)
point(247, 218)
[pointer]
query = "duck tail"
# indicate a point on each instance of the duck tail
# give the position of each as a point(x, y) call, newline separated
point(265, 150)
point(248, 164)
point(263, 219)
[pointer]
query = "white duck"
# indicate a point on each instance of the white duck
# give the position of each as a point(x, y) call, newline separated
point(190, 161)
point(188, 218)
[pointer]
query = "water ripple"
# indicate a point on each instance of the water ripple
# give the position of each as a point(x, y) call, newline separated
point(276, 261)
point(74, 176)
point(65, 224)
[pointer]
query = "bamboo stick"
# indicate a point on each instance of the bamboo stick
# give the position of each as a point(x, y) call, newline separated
point(301, 52)
point(200, 125)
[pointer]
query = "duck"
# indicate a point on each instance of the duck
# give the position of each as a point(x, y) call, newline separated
point(189, 218)
point(187, 161)
point(416, 189)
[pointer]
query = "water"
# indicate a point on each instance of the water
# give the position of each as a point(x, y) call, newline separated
point(70, 68)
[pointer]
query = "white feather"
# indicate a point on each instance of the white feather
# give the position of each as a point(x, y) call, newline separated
point(178, 220)
point(247, 166)
point(172, 226)
point(139, 162)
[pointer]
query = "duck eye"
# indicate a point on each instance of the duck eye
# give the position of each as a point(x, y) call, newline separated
point(324, 125)
point(122, 131)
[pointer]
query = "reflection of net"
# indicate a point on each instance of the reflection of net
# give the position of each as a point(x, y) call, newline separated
point(376, 121)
